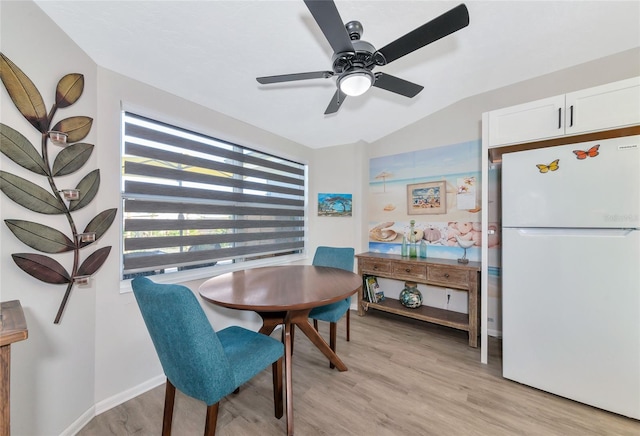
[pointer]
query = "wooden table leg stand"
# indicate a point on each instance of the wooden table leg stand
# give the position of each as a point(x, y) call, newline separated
point(299, 318)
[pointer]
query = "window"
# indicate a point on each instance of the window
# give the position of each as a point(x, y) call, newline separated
point(191, 201)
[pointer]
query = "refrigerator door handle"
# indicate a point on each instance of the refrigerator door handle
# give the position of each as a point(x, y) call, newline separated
point(551, 231)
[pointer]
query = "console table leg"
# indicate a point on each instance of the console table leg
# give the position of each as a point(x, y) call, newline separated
point(5, 379)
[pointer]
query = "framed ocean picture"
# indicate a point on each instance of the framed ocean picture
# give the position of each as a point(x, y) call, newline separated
point(427, 198)
point(334, 205)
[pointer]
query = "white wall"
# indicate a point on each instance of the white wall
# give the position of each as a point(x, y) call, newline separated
point(53, 370)
point(337, 170)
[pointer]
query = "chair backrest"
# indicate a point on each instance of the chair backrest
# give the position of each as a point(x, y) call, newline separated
point(335, 257)
point(190, 352)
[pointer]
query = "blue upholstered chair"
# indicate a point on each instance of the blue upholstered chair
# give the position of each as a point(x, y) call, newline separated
point(198, 361)
point(331, 313)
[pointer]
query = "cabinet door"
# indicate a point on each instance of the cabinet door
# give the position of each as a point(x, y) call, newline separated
point(603, 107)
point(540, 119)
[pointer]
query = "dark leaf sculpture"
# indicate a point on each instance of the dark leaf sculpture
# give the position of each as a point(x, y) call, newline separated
point(19, 149)
point(40, 237)
point(71, 159)
point(24, 94)
point(42, 267)
point(32, 196)
point(93, 262)
point(77, 128)
point(88, 188)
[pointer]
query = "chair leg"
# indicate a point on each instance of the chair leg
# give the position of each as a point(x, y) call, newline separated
point(333, 328)
point(212, 420)
point(315, 324)
point(293, 332)
point(276, 372)
point(348, 325)
point(169, 397)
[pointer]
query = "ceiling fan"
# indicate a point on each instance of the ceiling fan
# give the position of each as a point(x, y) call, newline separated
point(354, 59)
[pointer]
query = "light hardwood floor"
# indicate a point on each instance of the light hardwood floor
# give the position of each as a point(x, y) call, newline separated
point(405, 378)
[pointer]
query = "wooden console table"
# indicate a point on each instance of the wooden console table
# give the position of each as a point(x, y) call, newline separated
point(431, 271)
point(13, 328)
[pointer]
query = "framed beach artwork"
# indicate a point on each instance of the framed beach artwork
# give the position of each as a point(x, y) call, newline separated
point(427, 198)
point(334, 205)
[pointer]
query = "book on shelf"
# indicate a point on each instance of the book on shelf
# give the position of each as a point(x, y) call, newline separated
point(368, 282)
point(374, 294)
point(365, 288)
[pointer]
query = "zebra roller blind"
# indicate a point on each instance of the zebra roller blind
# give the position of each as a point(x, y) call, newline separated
point(191, 200)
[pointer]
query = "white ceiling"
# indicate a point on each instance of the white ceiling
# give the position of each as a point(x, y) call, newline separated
point(210, 52)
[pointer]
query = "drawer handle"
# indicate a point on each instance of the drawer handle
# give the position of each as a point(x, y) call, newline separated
point(408, 270)
point(375, 267)
point(446, 275)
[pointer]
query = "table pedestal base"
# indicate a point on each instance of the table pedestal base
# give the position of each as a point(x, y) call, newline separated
point(289, 320)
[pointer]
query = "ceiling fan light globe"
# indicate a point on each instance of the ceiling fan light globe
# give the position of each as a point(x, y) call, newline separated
point(355, 83)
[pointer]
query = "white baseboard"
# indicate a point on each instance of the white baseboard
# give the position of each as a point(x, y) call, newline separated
point(112, 402)
point(494, 333)
point(79, 423)
point(120, 398)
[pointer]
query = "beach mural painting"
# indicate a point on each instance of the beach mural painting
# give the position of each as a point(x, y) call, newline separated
point(334, 205)
point(438, 188)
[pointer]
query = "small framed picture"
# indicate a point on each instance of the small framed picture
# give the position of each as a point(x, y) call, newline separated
point(427, 198)
point(335, 205)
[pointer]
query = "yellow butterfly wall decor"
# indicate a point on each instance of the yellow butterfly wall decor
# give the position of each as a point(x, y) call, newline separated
point(551, 167)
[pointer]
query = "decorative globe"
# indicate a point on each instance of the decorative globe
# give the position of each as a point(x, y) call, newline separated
point(410, 296)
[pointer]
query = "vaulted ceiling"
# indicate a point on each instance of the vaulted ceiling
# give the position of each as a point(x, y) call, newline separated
point(210, 52)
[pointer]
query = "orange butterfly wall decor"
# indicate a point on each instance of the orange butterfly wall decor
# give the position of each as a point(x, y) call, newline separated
point(551, 167)
point(592, 152)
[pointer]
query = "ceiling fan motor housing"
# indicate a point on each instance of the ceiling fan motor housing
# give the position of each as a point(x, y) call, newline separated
point(362, 58)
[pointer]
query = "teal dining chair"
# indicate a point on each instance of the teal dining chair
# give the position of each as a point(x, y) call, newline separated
point(197, 360)
point(336, 257)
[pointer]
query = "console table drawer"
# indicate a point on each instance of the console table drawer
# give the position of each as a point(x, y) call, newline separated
point(448, 276)
point(375, 266)
point(409, 270)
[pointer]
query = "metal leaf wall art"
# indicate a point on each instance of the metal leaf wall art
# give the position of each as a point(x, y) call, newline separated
point(54, 201)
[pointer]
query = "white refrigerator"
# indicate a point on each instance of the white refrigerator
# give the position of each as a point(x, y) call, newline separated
point(571, 271)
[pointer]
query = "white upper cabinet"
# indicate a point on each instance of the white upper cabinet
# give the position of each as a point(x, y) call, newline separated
point(535, 120)
point(600, 108)
point(603, 107)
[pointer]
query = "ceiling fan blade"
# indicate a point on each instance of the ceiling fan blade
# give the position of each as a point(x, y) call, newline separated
point(336, 102)
point(397, 85)
point(326, 15)
point(447, 23)
point(297, 76)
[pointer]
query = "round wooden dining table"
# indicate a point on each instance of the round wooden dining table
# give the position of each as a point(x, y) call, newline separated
point(284, 295)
